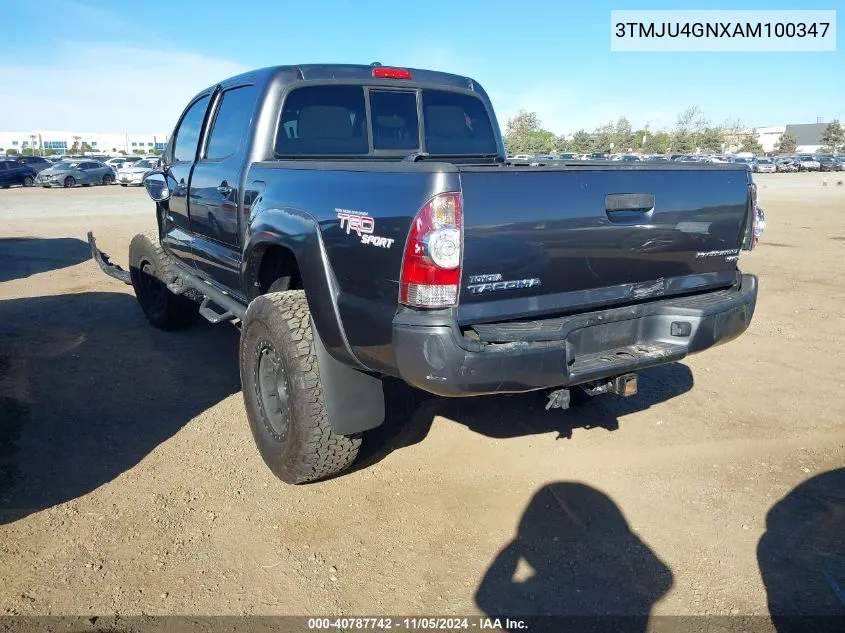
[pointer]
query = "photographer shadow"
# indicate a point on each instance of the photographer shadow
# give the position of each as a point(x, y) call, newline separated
point(574, 555)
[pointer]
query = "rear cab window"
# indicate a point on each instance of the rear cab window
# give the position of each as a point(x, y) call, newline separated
point(356, 121)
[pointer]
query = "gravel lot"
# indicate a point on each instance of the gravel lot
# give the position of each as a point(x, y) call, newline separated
point(129, 483)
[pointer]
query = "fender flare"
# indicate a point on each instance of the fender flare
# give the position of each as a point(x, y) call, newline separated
point(353, 397)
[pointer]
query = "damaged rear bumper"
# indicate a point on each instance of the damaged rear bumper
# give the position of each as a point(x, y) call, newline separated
point(571, 350)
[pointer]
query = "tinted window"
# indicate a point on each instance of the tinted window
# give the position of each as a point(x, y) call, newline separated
point(4, 166)
point(323, 120)
point(188, 134)
point(456, 124)
point(394, 120)
point(231, 122)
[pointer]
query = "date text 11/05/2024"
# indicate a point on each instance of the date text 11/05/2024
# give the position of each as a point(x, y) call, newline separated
point(417, 624)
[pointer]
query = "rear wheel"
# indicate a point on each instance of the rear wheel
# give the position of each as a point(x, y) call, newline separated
point(283, 392)
point(70, 181)
point(28, 181)
point(150, 270)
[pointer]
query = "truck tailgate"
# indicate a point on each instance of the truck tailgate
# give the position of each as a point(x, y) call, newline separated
point(547, 240)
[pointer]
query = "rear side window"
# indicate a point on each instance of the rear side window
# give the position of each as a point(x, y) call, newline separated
point(230, 123)
point(323, 120)
point(456, 123)
point(188, 134)
point(394, 117)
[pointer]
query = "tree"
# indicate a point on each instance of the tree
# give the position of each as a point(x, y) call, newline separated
point(525, 135)
point(156, 152)
point(604, 138)
point(523, 122)
point(786, 143)
point(683, 142)
point(86, 148)
point(581, 142)
point(11, 152)
point(623, 137)
point(657, 142)
point(749, 143)
point(49, 152)
point(833, 137)
point(711, 139)
point(138, 151)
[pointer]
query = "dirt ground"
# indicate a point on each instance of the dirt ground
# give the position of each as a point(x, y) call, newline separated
point(129, 483)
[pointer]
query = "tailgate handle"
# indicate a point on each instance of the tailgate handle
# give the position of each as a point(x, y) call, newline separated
point(629, 208)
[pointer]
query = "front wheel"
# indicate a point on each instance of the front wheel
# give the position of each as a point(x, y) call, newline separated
point(28, 181)
point(283, 392)
point(150, 270)
point(108, 179)
point(70, 181)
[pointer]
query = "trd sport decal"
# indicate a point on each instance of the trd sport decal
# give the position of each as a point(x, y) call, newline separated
point(363, 225)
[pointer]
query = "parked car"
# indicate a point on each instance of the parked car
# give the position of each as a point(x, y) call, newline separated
point(133, 174)
point(76, 172)
point(763, 166)
point(840, 163)
point(807, 162)
point(827, 163)
point(14, 173)
point(371, 242)
point(786, 164)
point(37, 163)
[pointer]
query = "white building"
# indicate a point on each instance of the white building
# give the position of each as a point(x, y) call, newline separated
point(61, 142)
point(768, 137)
point(807, 135)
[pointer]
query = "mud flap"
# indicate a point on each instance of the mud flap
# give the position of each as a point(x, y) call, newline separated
point(106, 265)
point(354, 400)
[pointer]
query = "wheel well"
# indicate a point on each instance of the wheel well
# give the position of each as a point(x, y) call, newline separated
point(278, 262)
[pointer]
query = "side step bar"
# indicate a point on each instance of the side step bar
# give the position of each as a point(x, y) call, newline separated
point(106, 265)
point(185, 280)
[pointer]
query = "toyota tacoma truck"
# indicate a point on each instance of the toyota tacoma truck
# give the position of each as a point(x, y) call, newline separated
point(358, 222)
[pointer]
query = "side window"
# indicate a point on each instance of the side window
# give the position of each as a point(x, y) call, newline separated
point(4, 165)
point(323, 120)
point(230, 122)
point(394, 117)
point(456, 124)
point(188, 134)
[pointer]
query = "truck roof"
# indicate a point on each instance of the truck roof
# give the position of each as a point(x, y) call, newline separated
point(286, 75)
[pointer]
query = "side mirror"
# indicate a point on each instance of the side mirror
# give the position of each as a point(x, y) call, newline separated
point(157, 186)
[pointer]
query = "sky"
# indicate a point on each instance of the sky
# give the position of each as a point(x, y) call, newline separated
point(131, 67)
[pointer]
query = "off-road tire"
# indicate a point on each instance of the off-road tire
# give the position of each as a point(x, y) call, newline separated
point(151, 270)
point(303, 447)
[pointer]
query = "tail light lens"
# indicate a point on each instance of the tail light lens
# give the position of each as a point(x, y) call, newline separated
point(749, 240)
point(431, 267)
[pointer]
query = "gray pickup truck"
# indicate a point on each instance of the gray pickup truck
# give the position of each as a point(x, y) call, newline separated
point(358, 222)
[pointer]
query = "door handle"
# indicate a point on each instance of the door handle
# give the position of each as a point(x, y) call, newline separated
point(224, 190)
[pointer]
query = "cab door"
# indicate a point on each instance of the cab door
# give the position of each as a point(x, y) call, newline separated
point(178, 163)
point(215, 205)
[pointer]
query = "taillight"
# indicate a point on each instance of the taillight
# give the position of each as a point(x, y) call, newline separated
point(431, 267)
point(751, 234)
